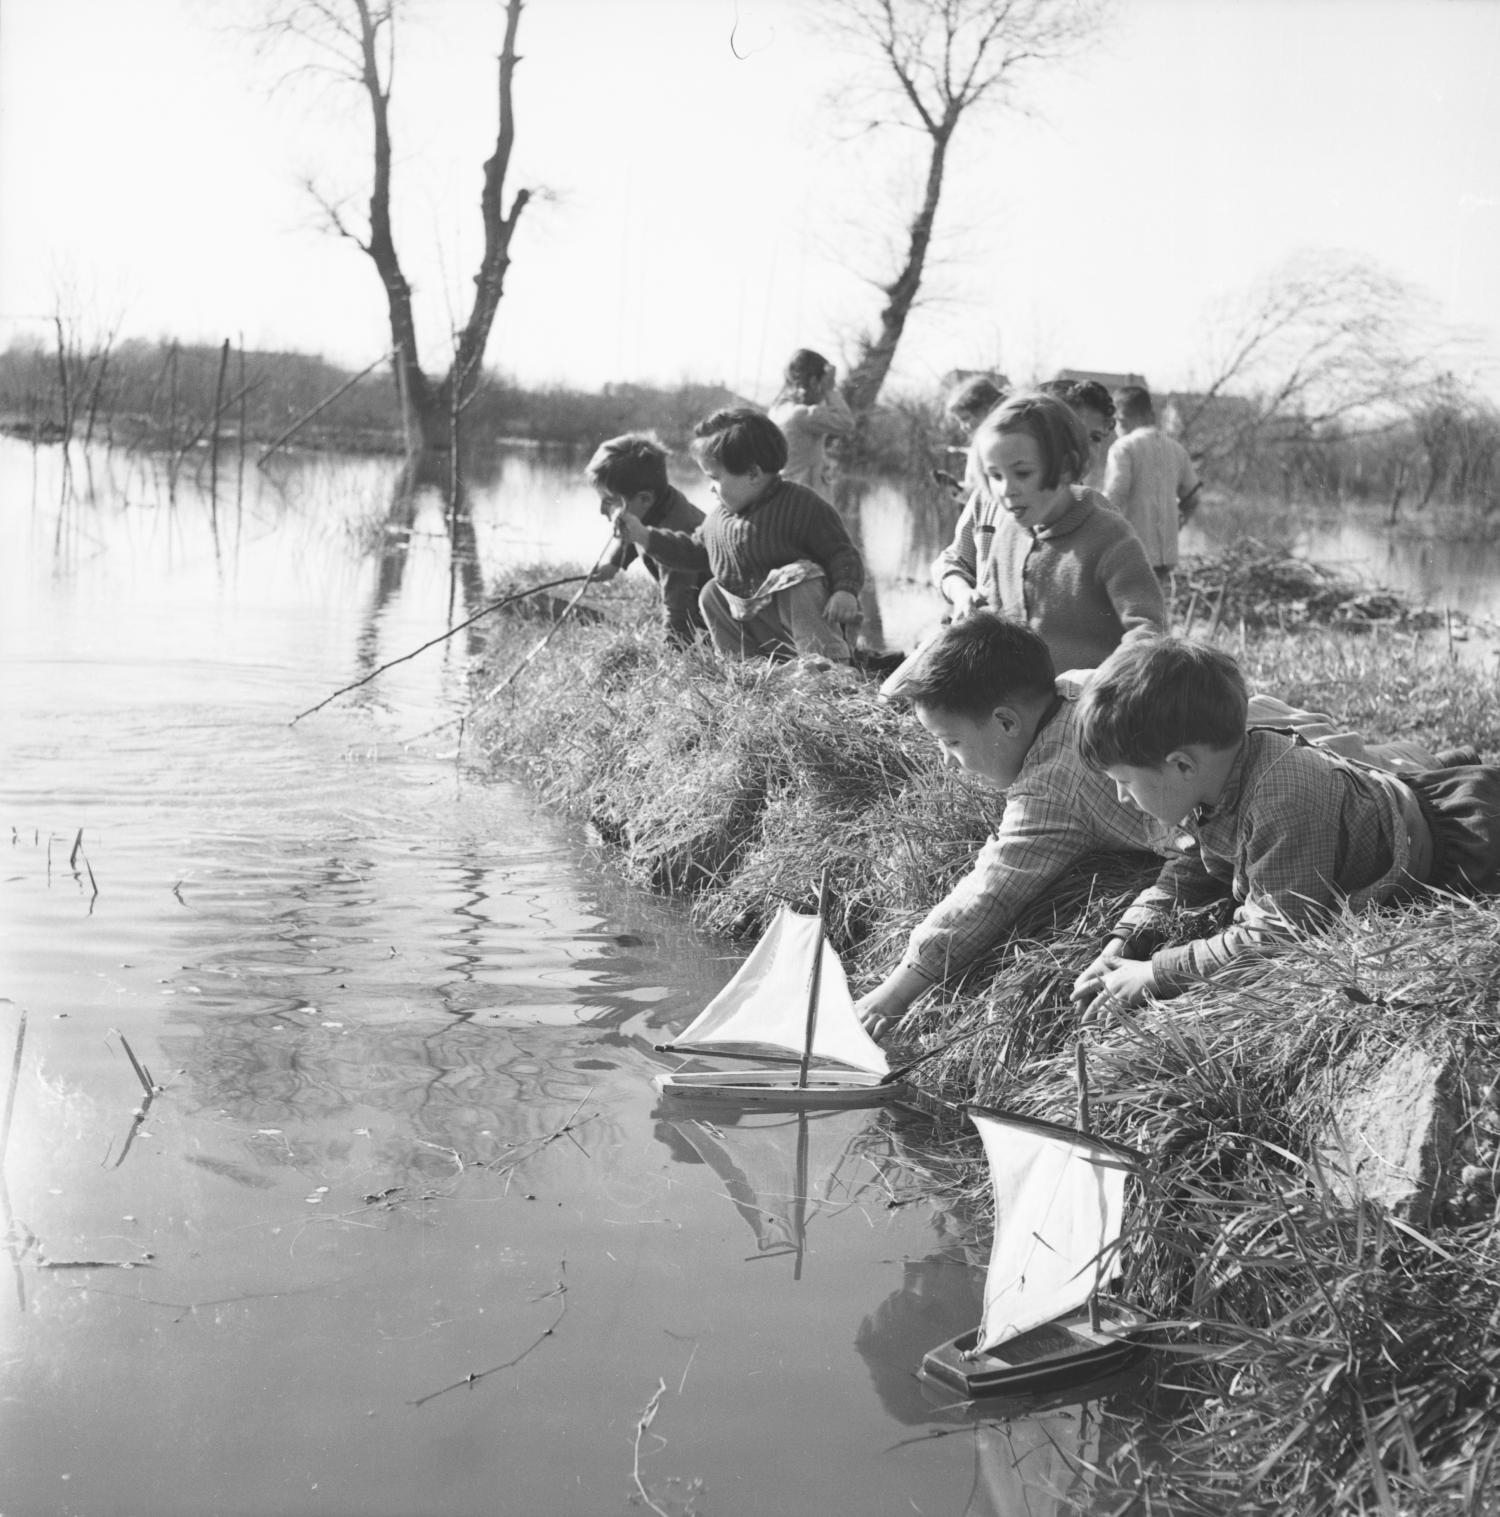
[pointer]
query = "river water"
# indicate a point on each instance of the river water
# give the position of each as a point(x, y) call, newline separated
point(405, 1228)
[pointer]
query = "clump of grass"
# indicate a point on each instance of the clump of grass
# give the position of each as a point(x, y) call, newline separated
point(1258, 585)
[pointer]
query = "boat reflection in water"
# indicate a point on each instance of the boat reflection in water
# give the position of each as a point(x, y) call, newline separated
point(782, 1169)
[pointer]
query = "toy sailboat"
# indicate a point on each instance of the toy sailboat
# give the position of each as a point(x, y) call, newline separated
point(1059, 1213)
point(776, 1008)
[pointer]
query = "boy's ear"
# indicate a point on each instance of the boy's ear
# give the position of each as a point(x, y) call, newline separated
point(639, 503)
point(1008, 719)
point(1182, 762)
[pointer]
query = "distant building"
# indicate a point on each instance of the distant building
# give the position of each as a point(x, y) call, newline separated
point(1110, 381)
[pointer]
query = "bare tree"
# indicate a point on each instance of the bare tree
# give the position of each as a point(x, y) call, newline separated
point(354, 41)
point(1325, 341)
point(939, 61)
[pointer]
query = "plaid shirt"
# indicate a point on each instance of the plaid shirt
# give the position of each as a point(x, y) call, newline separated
point(1294, 833)
point(1057, 812)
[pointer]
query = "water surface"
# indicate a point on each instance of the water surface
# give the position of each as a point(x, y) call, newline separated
point(406, 1228)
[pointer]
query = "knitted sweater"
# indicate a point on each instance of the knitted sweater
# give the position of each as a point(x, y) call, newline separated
point(740, 548)
point(1082, 584)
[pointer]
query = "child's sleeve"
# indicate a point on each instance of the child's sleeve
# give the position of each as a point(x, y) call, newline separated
point(831, 417)
point(1042, 834)
point(1133, 588)
point(677, 550)
point(829, 544)
point(959, 557)
point(1288, 846)
point(1117, 475)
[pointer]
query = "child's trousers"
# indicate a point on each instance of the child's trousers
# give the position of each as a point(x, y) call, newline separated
point(792, 624)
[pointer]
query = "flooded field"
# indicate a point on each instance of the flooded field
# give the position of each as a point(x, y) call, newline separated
point(390, 1218)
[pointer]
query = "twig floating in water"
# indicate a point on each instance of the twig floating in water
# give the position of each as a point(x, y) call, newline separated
point(505, 600)
point(475, 1376)
point(647, 1417)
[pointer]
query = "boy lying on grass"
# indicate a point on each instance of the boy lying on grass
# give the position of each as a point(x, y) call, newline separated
point(985, 688)
point(786, 576)
point(1289, 832)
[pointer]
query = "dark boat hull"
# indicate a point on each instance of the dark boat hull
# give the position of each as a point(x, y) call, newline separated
point(1058, 1354)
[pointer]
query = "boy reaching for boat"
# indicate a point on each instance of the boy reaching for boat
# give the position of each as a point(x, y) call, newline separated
point(629, 473)
point(785, 575)
point(986, 689)
point(1290, 833)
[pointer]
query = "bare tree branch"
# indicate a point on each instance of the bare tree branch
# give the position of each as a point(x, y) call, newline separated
point(941, 60)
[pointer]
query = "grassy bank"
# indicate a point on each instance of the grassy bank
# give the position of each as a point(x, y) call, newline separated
point(1325, 1358)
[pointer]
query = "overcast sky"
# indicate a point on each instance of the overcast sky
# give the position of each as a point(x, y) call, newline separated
point(707, 213)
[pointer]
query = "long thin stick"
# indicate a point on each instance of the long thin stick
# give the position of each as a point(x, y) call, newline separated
point(10, 1094)
point(817, 984)
point(505, 600)
point(322, 405)
point(1081, 1063)
point(562, 616)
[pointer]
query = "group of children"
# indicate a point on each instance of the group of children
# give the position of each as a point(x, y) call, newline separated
point(1056, 681)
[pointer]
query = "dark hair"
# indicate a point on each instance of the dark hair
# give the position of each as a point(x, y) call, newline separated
point(739, 439)
point(975, 397)
point(803, 379)
point(1059, 433)
point(1080, 392)
point(976, 665)
point(628, 464)
point(1148, 699)
point(1134, 402)
point(1090, 393)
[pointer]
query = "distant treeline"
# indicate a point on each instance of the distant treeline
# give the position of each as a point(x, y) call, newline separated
point(167, 395)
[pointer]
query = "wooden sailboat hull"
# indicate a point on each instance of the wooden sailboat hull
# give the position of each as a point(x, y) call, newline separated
point(740, 1087)
point(1060, 1353)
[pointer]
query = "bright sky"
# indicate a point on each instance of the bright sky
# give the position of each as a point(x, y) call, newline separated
point(708, 214)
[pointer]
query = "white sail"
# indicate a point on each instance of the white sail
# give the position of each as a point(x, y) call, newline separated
point(763, 1009)
point(1059, 1209)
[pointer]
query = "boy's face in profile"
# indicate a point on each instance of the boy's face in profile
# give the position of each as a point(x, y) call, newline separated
point(991, 744)
point(613, 502)
point(1167, 791)
point(736, 491)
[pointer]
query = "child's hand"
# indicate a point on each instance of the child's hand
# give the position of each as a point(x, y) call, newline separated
point(962, 596)
point(890, 1000)
point(605, 572)
point(1111, 982)
point(842, 610)
point(630, 529)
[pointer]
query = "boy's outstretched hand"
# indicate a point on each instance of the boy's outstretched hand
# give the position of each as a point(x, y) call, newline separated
point(1112, 982)
point(890, 1000)
point(842, 610)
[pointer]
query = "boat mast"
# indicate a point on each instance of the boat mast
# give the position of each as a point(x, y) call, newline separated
point(1081, 1052)
point(816, 984)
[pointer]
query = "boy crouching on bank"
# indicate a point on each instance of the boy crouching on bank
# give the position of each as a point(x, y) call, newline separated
point(786, 576)
point(1285, 830)
point(629, 473)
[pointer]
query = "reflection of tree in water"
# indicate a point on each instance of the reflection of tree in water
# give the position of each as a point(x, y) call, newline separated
point(410, 489)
